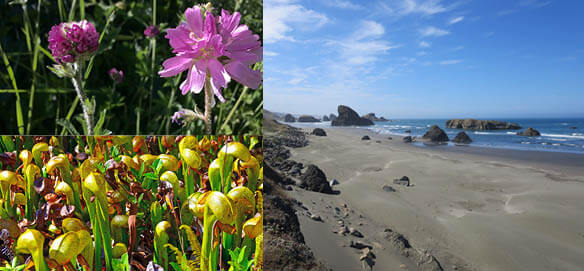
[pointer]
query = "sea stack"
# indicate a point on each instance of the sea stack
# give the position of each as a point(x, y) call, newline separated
point(529, 132)
point(307, 118)
point(462, 138)
point(348, 117)
point(474, 124)
point(435, 134)
point(289, 118)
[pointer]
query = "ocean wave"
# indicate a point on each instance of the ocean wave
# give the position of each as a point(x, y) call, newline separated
point(488, 133)
point(581, 136)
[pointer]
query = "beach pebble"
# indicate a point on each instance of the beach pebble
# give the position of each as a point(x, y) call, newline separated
point(390, 138)
point(402, 266)
point(334, 182)
point(388, 188)
point(355, 232)
point(365, 137)
point(343, 230)
point(359, 245)
point(316, 218)
point(402, 181)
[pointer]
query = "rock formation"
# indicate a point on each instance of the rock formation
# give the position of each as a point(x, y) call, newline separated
point(289, 118)
point(348, 117)
point(325, 118)
point(435, 134)
point(529, 132)
point(474, 124)
point(318, 132)
point(307, 118)
point(315, 180)
point(372, 117)
point(462, 138)
point(332, 117)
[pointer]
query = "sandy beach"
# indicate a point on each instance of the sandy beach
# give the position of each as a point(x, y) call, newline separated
point(471, 208)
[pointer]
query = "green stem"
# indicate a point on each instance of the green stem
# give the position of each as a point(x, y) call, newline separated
point(209, 96)
point(102, 214)
point(208, 221)
point(39, 261)
point(96, 230)
point(234, 108)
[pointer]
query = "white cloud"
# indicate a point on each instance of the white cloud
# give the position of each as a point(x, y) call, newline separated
point(456, 20)
point(432, 31)
point(345, 4)
point(281, 17)
point(534, 3)
point(425, 44)
point(429, 7)
point(458, 48)
point(270, 53)
point(421, 53)
point(369, 29)
point(451, 62)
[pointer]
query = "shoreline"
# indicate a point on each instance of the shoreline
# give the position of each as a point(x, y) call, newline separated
point(518, 209)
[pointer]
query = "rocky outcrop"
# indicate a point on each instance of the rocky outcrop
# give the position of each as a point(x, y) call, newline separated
point(435, 134)
point(307, 118)
point(332, 117)
point(289, 118)
point(474, 124)
point(315, 180)
point(372, 117)
point(529, 132)
point(462, 138)
point(348, 117)
point(318, 132)
point(325, 118)
point(285, 248)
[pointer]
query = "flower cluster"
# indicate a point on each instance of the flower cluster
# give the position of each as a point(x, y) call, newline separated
point(72, 41)
point(151, 31)
point(215, 48)
point(116, 75)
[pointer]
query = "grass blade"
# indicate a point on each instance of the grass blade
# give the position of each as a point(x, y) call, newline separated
point(19, 118)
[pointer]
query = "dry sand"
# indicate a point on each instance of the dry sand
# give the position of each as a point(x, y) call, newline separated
point(471, 208)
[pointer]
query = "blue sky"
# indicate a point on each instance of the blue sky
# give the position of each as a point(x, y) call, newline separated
point(425, 58)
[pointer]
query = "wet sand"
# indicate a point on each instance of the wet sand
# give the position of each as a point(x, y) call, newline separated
point(470, 207)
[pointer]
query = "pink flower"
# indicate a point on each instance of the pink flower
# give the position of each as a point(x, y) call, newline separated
point(151, 31)
point(72, 41)
point(117, 76)
point(220, 49)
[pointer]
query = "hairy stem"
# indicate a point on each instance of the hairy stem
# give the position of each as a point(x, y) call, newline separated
point(78, 84)
point(208, 119)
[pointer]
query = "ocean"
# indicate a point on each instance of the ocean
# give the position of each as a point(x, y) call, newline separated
point(557, 135)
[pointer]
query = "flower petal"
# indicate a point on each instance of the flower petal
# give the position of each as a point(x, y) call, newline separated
point(243, 74)
point(210, 25)
point(178, 38)
point(195, 20)
point(175, 65)
point(194, 82)
point(218, 73)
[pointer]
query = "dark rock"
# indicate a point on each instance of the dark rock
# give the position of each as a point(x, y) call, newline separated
point(388, 188)
point(325, 118)
point(365, 137)
point(348, 117)
point(407, 139)
point(402, 181)
point(307, 118)
point(462, 138)
point(359, 245)
point(333, 182)
point(332, 117)
point(573, 127)
point(372, 117)
point(289, 118)
point(315, 180)
point(355, 232)
point(318, 132)
point(389, 138)
point(316, 218)
point(529, 132)
point(408, 131)
point(435, 134)
point(474, 124)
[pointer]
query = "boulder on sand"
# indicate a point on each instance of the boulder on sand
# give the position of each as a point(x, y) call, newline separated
point(365, 137)
point(435, 134)
point(462, 138)
point(325, 118)
point(307, 118)
point(529, 132)
point(315, 180)
point(318, 132)
point(348, 117)
point(402, 181)
point(289, 118)
point(474, 124)
point(407, 139)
